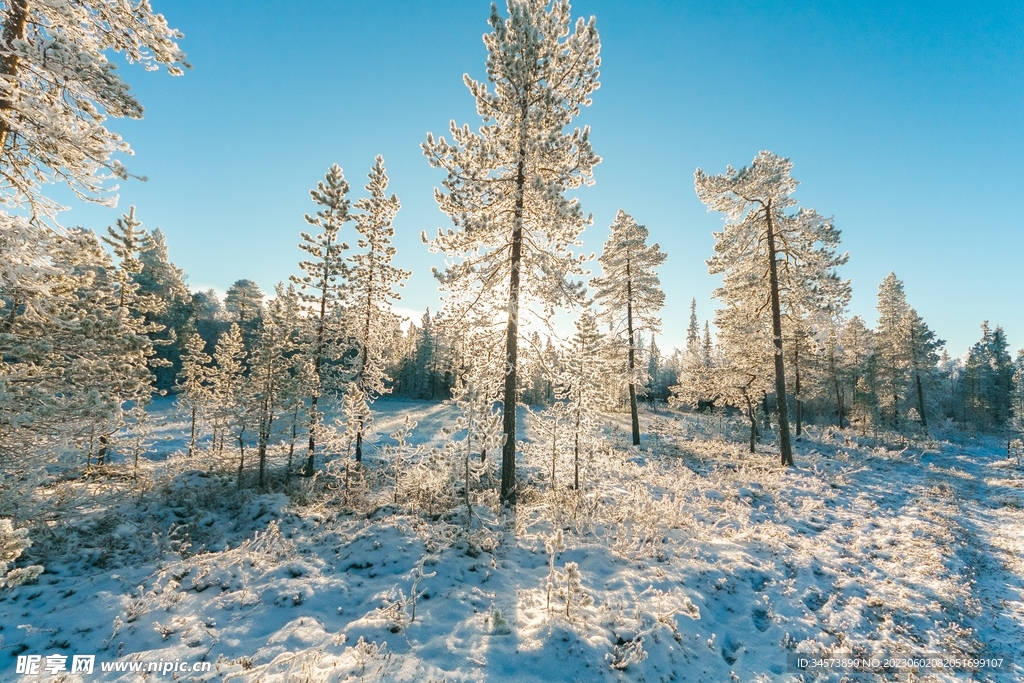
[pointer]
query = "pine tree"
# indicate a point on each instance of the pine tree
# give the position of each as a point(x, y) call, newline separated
point(924, 359)
point(629, 293)
point(581, 386)
point(706, 347)
point(801, 349)
point(480, 383)
point(194, 383)
point(57, 87)
point(244, 302)
point(164, 283)
point(229, 392)
point(71, 357)
point(811, 309)
point(892, 346)
point(128, 240)
point(832, 352)
point(693, 385)
point(950, 374)
point(372, 280)
point(906, 353)
point(1017, 396)
point(271, 376)
point(425, 358)
point(208, 318)
point(693, 330)
point(136, 309)
point(534, 374)
point(999, 393)
point(506, 183)
point(989, 379)
point(858, 367)
point(766, 254)
point(658, 390)
point(740, 376)
point(475, 391)
point(295, 386)
point(322, 289)
point(68, 358)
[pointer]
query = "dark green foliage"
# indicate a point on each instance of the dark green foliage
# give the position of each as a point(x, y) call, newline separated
point(988, 381)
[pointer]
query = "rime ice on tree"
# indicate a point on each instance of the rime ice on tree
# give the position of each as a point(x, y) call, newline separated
point(629, 292)
point(505, 189)
point(767, 255)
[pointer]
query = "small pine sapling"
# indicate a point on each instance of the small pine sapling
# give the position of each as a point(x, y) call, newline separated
point(401, 454)
point(554, 544)
point(580, 385)
point(575, 594)
point(551, 422)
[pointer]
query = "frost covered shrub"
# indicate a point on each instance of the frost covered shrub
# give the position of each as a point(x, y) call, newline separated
point(575, 595)
point(12, 543)
point(364, 653)
point(626, 653)
point(431, 482)
point(399, 457)
point(553, 546)
point(640, 520)
point(499, 623)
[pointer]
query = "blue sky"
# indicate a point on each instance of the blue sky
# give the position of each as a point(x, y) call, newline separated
point(903, 120)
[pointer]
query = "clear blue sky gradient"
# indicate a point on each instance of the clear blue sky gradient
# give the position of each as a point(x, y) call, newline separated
point(903, 120)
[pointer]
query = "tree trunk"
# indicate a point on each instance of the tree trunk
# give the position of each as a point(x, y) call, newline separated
point(365, 354)
point(291, 445)
point(576, 452)
point(308, 470)
point(753, 424)
point(192, 434)
point(469, 503)
point(839, 393)
point(241, 459)
point(14, 30)
point(796, 370)
point(262, 452)
point(920, 400)
point(632, 355)
point(318, 360)
point(508, 423)
point(785, 447)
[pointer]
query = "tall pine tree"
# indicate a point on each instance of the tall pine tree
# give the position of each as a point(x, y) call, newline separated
point(372, 282)
point(629, 293)
point(322, 289)
point(506, 184)
point(766, 253)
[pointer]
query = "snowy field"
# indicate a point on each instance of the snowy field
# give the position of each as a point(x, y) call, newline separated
point(694, 561)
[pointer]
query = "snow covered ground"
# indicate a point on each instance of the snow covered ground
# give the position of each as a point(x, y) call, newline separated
point(695, 561)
